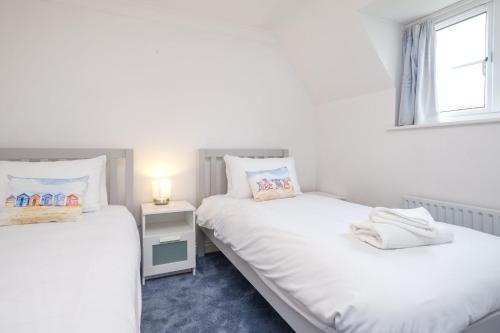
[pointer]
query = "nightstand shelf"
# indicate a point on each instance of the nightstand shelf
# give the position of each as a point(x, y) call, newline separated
point(171, 227)
point(168, 239)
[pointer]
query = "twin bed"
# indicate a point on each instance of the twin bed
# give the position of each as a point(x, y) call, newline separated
point(299, 255)
point(77, 276)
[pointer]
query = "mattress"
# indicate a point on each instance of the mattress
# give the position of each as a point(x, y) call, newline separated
point(72, 277)
point(303, 248)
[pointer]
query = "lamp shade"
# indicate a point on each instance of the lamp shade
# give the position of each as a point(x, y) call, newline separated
point(161, 191)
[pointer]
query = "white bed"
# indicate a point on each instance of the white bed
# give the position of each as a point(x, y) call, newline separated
point(300, 255)
point(81, 276)
point(71, 277)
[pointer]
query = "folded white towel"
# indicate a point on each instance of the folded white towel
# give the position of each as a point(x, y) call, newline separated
point(389, 236)
point(418, 220)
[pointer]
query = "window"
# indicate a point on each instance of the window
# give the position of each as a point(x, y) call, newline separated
point(463, 63)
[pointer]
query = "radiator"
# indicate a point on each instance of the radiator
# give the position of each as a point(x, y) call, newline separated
point(477, 218)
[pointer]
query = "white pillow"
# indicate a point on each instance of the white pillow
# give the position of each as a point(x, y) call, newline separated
point(92, 168)
point(236, 168)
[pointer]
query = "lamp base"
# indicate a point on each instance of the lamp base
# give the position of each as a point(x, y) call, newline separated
point(161, 201)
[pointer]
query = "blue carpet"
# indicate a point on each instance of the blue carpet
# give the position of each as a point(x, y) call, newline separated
point(218, 299)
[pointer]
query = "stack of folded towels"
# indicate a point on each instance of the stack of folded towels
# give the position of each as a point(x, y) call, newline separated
point(401, 228)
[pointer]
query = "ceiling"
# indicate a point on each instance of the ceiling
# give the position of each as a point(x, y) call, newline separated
point(267, 14)
point(404, 11)
point(257, 14)
point(325, 41)
point(251, 13)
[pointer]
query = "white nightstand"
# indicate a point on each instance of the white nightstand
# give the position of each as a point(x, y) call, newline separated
point(168, 239)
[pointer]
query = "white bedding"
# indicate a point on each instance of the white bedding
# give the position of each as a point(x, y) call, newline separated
point(71, 277)
point(303, 246)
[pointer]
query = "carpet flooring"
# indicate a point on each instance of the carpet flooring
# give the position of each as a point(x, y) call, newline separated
point(218, 299)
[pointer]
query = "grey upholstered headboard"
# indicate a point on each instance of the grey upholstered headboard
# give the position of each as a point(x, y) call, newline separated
point(120, 165)
point(212, 169)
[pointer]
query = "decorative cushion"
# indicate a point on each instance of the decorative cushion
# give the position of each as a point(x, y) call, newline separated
point(271, 184)
point(37, 200)
point(236, 168)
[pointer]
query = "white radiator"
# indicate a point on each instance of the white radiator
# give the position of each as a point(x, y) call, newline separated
point(481, 219)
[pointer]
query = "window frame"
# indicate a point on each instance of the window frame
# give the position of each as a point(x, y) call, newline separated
point(456, 16)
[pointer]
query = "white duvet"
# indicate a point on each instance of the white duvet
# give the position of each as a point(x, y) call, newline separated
point(304, 248)
point(71, 277)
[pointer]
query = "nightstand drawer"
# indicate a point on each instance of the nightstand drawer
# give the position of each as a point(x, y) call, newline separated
point(168, 253)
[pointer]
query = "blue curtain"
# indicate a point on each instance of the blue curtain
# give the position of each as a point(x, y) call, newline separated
point(418, 84)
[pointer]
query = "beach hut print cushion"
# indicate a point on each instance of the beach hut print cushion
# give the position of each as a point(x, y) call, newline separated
point(271, 184)
point(39, 200)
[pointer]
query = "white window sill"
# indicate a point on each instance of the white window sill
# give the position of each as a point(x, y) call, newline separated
point(491, 120)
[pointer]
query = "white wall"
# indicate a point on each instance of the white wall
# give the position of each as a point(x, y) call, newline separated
point(360, 158)
point(73, 76)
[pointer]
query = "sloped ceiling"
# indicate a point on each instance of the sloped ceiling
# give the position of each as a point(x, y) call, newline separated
point(252, 13)
point(324, 40)
point(339, 48)
point(327, 44)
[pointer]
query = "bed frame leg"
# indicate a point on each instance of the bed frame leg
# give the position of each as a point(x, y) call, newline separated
point(200, 241)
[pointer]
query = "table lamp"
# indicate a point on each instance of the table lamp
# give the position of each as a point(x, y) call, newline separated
point(161, 191)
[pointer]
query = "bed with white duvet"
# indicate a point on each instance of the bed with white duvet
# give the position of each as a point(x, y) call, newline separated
point(302, 249)
point(78, 276)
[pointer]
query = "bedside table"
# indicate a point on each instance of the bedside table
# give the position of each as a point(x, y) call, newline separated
point(168, 239)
